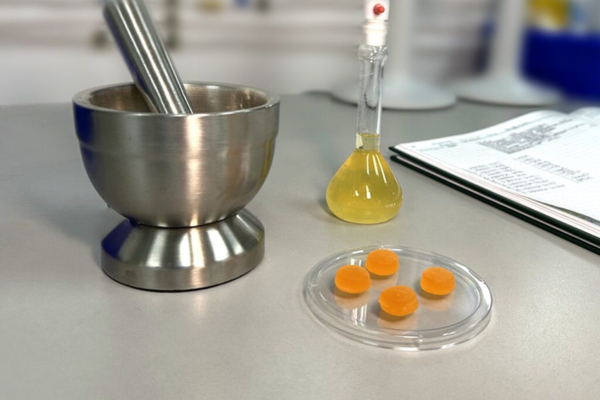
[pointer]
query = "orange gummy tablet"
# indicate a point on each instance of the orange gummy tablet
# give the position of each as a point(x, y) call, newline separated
point(352, 279)
point(437, 280)
point(398, 301)
point(382, 262)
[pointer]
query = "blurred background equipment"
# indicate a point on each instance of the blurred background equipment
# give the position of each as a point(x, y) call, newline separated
point(52, 48)
point(503, 82)
point(549, 14)
point(401, 89)
point(565, 53)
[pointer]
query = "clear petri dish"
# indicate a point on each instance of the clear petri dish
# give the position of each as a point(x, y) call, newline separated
point(440, 321)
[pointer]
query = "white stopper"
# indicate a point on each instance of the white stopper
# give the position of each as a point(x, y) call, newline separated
point(376, 15)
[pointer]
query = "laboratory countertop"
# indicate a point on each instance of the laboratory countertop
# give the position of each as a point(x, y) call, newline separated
point(67, 331)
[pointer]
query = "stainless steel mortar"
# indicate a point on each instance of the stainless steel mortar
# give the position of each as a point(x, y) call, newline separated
point(181, 181)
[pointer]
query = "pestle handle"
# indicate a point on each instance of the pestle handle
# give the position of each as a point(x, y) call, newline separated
point(146, 56)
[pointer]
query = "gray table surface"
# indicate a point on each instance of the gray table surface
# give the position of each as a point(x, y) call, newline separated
point(69, 332)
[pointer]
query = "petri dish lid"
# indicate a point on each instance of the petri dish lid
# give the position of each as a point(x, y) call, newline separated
point(440, 321)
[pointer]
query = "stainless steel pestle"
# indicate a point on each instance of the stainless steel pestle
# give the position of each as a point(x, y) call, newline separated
point(146, 56)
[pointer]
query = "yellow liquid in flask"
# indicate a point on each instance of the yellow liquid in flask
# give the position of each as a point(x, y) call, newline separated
point(365, 190)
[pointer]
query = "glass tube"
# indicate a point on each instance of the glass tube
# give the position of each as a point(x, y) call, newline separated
point(368, 121)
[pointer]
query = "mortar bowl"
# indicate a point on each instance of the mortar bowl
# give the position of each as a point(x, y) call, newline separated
point(175, 171)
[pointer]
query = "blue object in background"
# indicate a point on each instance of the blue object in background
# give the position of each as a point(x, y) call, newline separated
point(567, 61)
point(242, 3)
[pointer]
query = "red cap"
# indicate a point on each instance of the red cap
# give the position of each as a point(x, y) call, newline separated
point(378, 9)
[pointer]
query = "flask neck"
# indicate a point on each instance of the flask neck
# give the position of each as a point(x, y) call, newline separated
point(372, 60)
